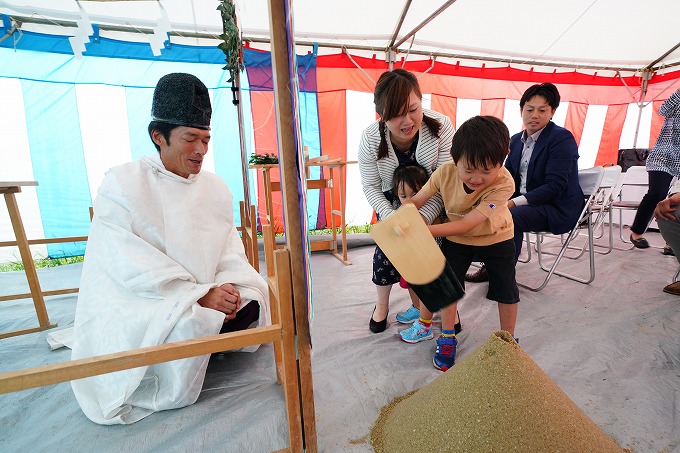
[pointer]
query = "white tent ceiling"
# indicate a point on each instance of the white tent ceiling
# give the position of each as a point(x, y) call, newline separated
point(582, 34)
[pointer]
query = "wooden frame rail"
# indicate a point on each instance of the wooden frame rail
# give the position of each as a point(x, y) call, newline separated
point(334, 181)
point(55, 292)
point(9, 189)
point(281, 333)
point(336, 214)
point(248, 231)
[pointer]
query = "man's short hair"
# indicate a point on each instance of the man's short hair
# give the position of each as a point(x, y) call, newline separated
point(546, 89)
point(164, 128)
point(482, 141)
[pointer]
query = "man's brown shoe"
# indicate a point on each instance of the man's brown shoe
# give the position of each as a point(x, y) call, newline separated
point(673, 288)
point(480, 276)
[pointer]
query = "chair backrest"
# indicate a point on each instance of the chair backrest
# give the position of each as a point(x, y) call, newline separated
point(610, 180)
point(611, 176)
point(590, 179)
point(616, 191)
point(634, 182)
point(636, 175)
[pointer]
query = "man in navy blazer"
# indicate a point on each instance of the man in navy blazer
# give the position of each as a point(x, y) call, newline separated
point(543, 161)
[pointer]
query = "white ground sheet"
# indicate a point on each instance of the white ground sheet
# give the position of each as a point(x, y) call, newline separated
point(612, 346)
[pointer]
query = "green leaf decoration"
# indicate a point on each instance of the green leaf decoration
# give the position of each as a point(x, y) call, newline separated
point(232, 44)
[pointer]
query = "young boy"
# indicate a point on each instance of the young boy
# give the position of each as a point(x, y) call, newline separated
point(475, 188)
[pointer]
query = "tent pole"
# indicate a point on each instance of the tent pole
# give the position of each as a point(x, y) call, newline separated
point(236, 100)
point(427, 20)
point(646, 75)
point(389, 52)
point(670, 51)
point(236, 92)
point(399, 24)
point(358, 67)
point(390, 58)
point(292, 171)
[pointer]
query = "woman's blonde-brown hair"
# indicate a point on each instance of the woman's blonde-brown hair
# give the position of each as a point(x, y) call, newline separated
point(391, 96)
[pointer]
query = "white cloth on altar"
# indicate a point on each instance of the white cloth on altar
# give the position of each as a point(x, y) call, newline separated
point(158, 242)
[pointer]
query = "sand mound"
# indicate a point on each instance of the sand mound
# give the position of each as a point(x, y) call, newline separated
point(496, 399)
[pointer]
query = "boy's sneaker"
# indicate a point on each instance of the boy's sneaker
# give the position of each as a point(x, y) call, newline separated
point(408, 316)
point(417, 332)
point(445, 355)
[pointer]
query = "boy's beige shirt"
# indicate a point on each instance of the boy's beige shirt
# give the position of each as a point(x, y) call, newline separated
point(491, 201)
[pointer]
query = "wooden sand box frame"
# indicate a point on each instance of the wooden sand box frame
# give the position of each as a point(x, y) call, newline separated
point(495, 399)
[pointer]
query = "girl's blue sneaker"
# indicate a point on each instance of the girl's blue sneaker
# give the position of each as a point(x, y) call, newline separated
point(417, 332)
point(408, 316)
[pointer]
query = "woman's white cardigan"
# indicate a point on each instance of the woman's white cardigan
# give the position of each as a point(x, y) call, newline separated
point(377, 175)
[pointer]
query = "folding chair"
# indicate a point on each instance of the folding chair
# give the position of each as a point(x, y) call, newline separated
point(527, 240)
point(601, 210)
point(635, 177)
point(610, 187)
point(589, 180)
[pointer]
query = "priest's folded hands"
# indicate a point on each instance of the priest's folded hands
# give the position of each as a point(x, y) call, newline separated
point(224, 298)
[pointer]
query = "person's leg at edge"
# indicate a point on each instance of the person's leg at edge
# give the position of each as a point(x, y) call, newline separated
point(670, 231)
point(659, 183)
point(449, 318)
point(244, 318)
point(384, 276)
point(502, 283)
point(459, 257)
point(382, 304)
point(527, 218)
point(412, 313)
point(445, 354)
point(414, 299)
point(507, 314)
point(421, 329)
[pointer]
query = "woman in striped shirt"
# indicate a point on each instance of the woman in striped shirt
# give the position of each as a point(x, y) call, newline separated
point(404, 133)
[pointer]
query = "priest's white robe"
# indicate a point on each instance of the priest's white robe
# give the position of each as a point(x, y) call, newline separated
point(158, 242)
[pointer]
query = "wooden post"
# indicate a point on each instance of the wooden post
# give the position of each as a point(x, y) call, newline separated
point(284, 89)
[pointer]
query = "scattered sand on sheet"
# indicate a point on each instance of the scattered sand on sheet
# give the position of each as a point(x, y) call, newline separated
point(496, 399)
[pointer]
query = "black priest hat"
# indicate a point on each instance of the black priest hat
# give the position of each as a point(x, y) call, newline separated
point(183, 100)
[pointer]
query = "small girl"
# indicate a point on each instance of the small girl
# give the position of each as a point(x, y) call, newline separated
point(408, 180)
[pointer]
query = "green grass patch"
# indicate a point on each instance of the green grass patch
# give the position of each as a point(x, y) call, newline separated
point(40, 263)
point(351, 229)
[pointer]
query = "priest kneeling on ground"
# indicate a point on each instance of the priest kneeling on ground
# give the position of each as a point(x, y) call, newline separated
point(164, 263)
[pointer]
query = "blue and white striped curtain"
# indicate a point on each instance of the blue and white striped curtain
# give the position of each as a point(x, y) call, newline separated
point(65, 121)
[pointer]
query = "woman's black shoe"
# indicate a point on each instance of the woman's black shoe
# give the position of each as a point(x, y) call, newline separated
point(640, 243)
point(377, 326)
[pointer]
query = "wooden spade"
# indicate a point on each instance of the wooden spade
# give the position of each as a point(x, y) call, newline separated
point(410, 247)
